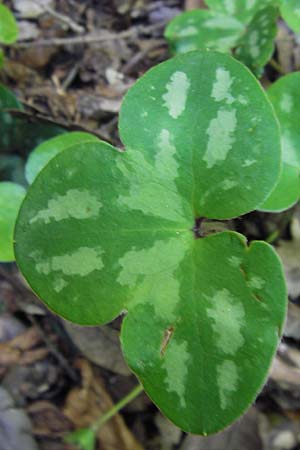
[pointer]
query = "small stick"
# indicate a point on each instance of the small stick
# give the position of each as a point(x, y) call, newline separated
point(91, 37)
point(61, 17)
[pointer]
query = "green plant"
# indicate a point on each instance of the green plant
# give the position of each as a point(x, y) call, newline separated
point(103, 232)
point(8, 26)
point(8, 29)
point(246, 28)
point(12, 194)
point(285, 95)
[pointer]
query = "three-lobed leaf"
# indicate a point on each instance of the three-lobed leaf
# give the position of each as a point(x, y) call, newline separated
point(103, 232)
point(285, 95)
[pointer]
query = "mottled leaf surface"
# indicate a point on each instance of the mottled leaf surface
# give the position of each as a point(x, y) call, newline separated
point(102, 233)
point(244, 10)
point(42, 154)
point(201, 313)
point(11, 196)
point(251, 42)
point(256, 46)
point(198, 365)
point(201, 29)
point(8, 26)
point(285, 96)
point(229, 128)
point(290, 11)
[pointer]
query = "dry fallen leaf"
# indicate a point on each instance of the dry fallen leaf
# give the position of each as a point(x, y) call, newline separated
point(289, 251)
point(20, 350)
point(85, 404)
point(48, 420)
point(101, 345)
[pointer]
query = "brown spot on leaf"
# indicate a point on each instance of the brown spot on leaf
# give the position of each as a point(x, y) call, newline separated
point(166, 339)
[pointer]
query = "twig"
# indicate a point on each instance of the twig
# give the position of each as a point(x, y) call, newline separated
point(276, 66)
point(61, 17)
point(141, 55)
point(39, 117)
point(92, 37)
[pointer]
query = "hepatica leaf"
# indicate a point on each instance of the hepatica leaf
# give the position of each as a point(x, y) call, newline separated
point(8, 26)
point(210, 110)
point(201, 29)
point(243, 10)
point(256, 46)
point(11, 196)
point(103, 232)
point(248, 29)
point(42, 154)
point(285, 96)
point(290, 11)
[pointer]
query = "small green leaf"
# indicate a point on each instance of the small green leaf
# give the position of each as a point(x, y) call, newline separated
point(8, 26)
point(285, 96)
point(201, 29)
point(252, 43)
point(84, 438)
point(256, 46)
point(290, 11)
point(243, 10)
point(102, 232)
point(11, 196)
point(42, 154)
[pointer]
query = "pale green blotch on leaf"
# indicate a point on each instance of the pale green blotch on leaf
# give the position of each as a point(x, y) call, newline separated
point(285, 96)
point(243, 10)
point(182, 296)
point(42, 154)
point(11, 196)
point(201, 29)
point(256, 46)
point(229, 127)
point(251, 42)
point(8, 26)
point(290, 11)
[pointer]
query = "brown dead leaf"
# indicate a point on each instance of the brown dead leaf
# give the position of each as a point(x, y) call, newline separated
point(101, 345)
point(48, 420)
point(289, 252)
point(20, 350)
point(21, 74)
point(85, 404)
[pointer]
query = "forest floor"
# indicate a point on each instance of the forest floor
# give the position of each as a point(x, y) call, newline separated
point(72, 65)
